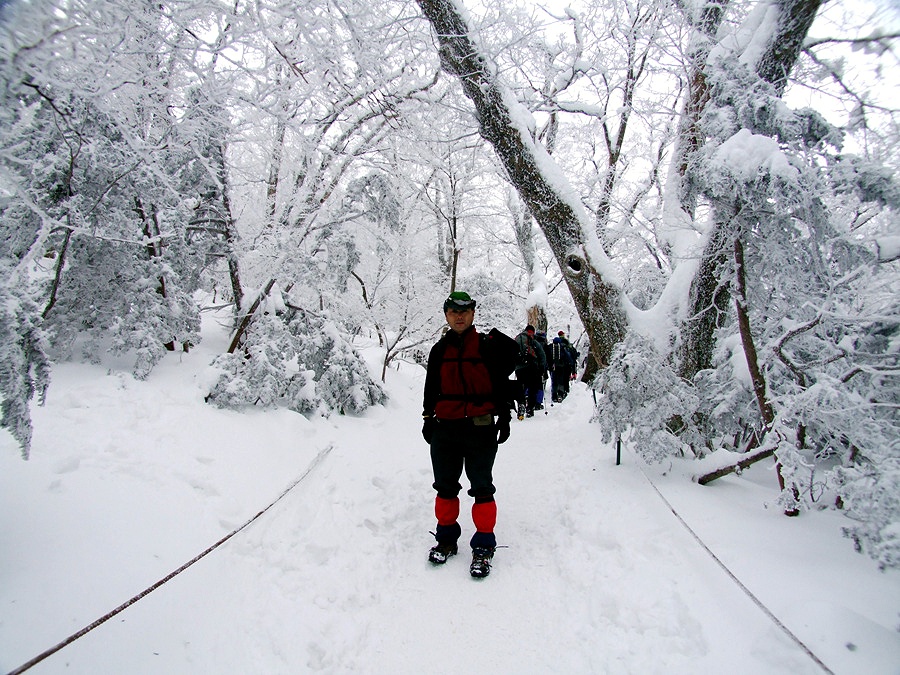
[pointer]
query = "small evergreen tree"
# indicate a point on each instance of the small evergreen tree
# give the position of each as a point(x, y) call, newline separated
point(297, 360)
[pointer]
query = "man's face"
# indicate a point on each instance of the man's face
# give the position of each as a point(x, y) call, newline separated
point(459, 320)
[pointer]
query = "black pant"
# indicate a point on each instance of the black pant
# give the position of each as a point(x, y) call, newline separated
point(458, 444)
point(559, 382)
point(530, 377)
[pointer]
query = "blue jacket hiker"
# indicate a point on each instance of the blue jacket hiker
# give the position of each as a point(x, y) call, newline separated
point(466, 416)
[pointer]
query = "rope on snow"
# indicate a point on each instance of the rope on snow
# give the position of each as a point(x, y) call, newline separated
point(765, 610)
point(103, 619)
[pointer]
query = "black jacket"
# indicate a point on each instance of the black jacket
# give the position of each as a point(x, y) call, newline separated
point(499, 352)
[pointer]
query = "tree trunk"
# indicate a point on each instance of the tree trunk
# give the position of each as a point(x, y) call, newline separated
point(151, 231)
point(743, 319)
point(597, 300)
point(231, 255)
point(794, 21)
point(756, 376)
point(708, 301)
point(708, 294)
point(454, 254)
point(690, 136)
point(274, 172)
point(245, 322)
point(537, 317)
point(57, 276)
point(277, 155)
point(740, 466)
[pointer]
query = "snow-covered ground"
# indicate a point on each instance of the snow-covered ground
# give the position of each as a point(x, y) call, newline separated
point(128, 481)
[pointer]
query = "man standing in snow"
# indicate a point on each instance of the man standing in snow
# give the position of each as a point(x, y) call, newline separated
point(466, 415)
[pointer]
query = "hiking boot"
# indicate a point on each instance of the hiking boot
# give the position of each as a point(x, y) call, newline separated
point(440, 552)
point(481, 562)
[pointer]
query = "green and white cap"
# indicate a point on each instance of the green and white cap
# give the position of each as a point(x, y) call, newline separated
point(459, 300)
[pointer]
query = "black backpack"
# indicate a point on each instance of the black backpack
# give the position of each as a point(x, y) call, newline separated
point(526, 350)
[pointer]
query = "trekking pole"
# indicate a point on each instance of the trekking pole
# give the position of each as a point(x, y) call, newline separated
point(618, 449)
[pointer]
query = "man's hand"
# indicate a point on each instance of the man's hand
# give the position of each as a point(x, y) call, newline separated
point(502, 429)
point(428, 428)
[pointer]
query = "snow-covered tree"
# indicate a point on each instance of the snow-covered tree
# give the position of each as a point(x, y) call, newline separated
point(108, 208)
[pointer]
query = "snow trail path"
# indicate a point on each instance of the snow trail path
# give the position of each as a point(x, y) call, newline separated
point(595, 575)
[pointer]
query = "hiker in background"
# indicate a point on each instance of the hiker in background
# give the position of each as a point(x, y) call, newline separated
point(541, 338)
point(564, 364)
point(531, 364)
point(465, 415)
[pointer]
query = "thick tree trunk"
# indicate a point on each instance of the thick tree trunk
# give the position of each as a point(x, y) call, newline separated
point(708, 293)
point(708, 301)
point(537, 317)
point(598, 301)
point(690, 136)
point(794, 21)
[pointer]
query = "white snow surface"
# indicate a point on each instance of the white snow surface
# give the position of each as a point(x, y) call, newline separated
point(746, 154)
point(129, 480)
point(888, 248)
point(751, 38)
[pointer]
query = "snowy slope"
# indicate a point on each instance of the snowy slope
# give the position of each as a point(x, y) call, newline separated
point(130, 480)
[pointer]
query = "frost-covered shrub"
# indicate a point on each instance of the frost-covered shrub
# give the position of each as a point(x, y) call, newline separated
point(24, 366)
point(259, 373)
point(727, 413)
point(120, 299)
point(641, 394)
point(867, 450)
point(871, 496)
point(297, 361)
point(837, 405)
point(342, 379)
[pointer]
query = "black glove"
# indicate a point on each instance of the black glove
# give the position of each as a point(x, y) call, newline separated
point(502, 429)
point(428, 429)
